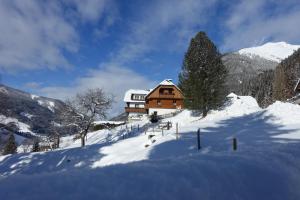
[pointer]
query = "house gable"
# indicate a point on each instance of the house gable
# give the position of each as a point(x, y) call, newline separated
point(166, 89)
point(165, 92)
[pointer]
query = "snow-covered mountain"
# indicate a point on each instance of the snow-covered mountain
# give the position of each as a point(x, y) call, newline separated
point(246, 64)
point(273, 51)
point(20, 109)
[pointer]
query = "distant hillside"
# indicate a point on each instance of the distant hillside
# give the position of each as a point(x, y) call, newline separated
point(251, 70)
point(18, 107)
point(242, 69)
point(287, 75)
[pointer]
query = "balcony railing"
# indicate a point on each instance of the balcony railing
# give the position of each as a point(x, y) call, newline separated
point(161, 95)
point(135, 110)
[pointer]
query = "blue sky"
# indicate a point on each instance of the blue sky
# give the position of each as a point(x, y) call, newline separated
point(57, 48)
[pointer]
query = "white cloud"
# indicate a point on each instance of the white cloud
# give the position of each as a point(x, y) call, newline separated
point(94, 10)
point(254, 22)
point(36, 34)
point(32, 85)
point(148, 32)
point(161, 25)
point(114, 80)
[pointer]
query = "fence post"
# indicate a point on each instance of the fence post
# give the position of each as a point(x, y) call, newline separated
point(198, 139)
point(131, 128)
point(177, 134)
point(168, 125)
point(234, 144)
point(162, 132)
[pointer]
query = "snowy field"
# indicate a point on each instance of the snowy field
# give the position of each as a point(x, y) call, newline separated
point(265, 166)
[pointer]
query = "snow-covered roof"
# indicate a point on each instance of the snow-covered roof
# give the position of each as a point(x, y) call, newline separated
point(167, 82)
point(130, 92)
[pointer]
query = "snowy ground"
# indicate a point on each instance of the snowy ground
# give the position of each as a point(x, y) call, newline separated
point(265, 166)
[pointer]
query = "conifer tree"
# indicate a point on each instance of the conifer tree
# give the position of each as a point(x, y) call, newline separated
point(11, 146)
point(203, 74)
point(36, 146)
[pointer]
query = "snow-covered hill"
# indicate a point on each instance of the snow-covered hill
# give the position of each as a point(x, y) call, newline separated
point(273, 51)
point(35, 112)
point(265, 166)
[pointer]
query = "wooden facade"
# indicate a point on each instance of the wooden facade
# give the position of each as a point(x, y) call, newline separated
point(135, 110)
point(165, 97)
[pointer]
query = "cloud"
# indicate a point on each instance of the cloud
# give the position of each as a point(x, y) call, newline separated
point(32, 85)
point(161, 26)
point(37, 34)
point(113, 79)
point(255, 22)
point(95, 10)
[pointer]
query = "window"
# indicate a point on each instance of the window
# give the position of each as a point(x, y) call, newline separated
point(138, 97)
point(158, 103)
point(166, 91)
point(174, 102)
point(137, 106)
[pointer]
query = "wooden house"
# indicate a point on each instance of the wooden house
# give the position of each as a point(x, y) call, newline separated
point(165, 98)
point(135, 103)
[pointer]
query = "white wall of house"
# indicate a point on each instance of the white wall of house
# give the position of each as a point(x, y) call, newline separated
point(161, 111)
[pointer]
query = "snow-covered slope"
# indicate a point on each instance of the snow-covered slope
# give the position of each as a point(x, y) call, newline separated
point(36, 111)
point(265, 166)
point(276, 51)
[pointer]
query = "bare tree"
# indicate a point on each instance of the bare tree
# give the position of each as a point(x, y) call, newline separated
point(85, 108)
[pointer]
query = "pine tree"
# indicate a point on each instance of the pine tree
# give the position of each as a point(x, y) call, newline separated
point(11, 146)
point(203, 74)
point(36, 146)
point(287, 74)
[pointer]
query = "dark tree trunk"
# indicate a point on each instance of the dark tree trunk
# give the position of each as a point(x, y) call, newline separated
point(204, 114)
point(58, 140)
point(82, 141)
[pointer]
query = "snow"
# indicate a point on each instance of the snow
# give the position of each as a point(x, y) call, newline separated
point(22, 126)
point(29, 116)
point(296, 86)
point(273, 51)
point(265, 166)
point(3, 90)
point(167, 82)
point(109, 122)
point(33, 97)
point(284, 113)
point(128, 94)
point(45, 103)
point(48, 104)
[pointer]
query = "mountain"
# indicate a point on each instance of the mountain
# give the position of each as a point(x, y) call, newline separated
point(276, 52)
point(245, 65)
point(28, 113)
point(287, 75)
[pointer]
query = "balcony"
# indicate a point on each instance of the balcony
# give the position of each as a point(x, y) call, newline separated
point(170, 95)
point(135, 110)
